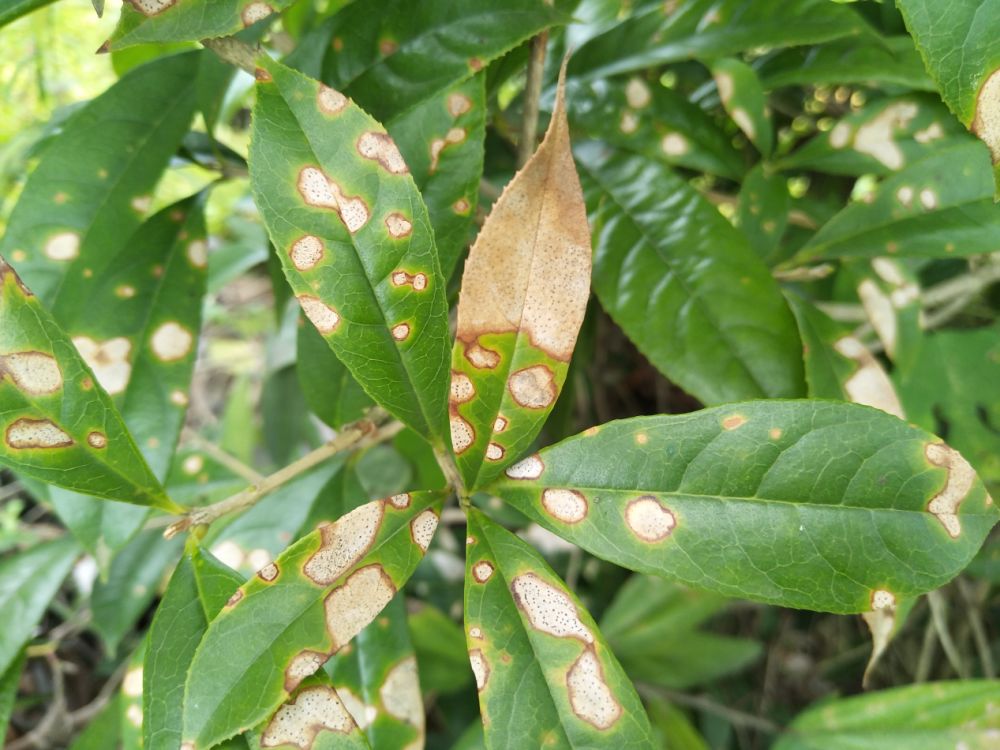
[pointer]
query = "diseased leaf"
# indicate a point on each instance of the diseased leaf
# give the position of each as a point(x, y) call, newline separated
point(9, 680)
point(330, 390)
point(187, 20)
point(809, 504)
point(882, 138)
point(763, 210)
point(313, 599)
point(706, 29)
point(938, 207)
point(314, 717)
point(654, 121)
point(915, 717)
point(524, 294)
point(199, 587)
point(439, 643)
point(962, 54)
point(743, 98)
point(131, 700)
point(684, 285)
point(355, 241)
point(140, 343)
point(545, 675)
point(890, 294)
point(377, 680)
point(93, 184)
point(58, 424)
point(28, 581)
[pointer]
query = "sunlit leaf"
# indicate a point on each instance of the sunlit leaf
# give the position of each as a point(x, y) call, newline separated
point(187, 20)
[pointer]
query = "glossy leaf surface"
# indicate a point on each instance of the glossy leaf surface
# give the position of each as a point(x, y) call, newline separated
point(28, 581)
point(524, 294)
point(806, 504)
point(93, 184)
point(144, 21)
point(915, 717)
point(545, 675)
point(313, 599)
point(743, 97)
point(355, 241)
point(684, 285)
point(59, 425)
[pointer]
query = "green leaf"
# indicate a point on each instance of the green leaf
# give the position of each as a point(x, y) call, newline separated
point(544, 672)
point(9, 680)
point(390, 55)
point(951, 389)
point(187, 20)
point(807, 504)
point(938, 207)
point(104, 729)
point(92, 185)
point(13, 10)
point(962, 54)
point(441, 140)
point(198, 589)
point(743, 98)
point(297, 611)
point(133, 578)
point(524, 294)
point(377, 680)
point(866, 60)
point(763, 210)
point(355, 241)
point(140, 343)
point(915, 717)
point(652, 626)
point(654, 121)
point(441, 655)
point(330, 390)
point(673, 726)
point(881, 138)
point(28, 581)
point(706, 29)
point(131, 700)
point(684, 285)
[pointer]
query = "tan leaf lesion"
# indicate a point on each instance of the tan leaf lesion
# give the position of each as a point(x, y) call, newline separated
point(960, 480)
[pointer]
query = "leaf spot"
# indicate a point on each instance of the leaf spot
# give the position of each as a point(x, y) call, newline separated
point(876, 138)
point(453, 137)
point(398, 225)
point(629, 123)
point(132, 683)
point(401, 278)
point(649, 520)
point(674, 144)
point(171, 342)
point(141, 203)
point(476, 633)
point(568, 506)
point(482, 571)
point(344, 543)
point(400, 693)
point(324, 317)
point(302, 665)
point(422, 528)
point(268, 573)
point(641, 438)
point(637, 93)
point(840, 135)
point(589, 694)
point(125, 291)
point(97, 440)
point(494, 452)
point(36, 433)
point(533, 387)
point(255, 12)
point(481, 357)
point(314, 710)
point(734, 422)
point(527, 468)
point(381, 148)
point(548, 609)
point(461, 206)
point(928, 199)
point(458, 104)
point(882, 599)
point(63, 246)
point(306, 252)
point(480, 668)
point(357, 602)
point(986, 122)
point(905, 196)
point(109, 361)
point(400, 501)
point(500, 423)
point(362, 713)
point(320, 191)
point(961, 477)
point(151, 7)
point(330, 101)
point(775, 433)
point(235, 598)
point(401, 331)
point(462, 389)
point(462, 434)
point(35, 373)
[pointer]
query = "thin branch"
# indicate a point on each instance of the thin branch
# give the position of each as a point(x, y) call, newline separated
point(450, 471)
point(362, 432)
point(54, 723)
point(234, 52)
point(532, 93)
point(220, 456)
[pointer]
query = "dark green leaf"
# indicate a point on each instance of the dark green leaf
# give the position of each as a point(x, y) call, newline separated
point(104, 730)
point(743, 98)
point(684, 285)
point(763, 210)
point(329, 388)
point(9, 681)
point(810, 504)
point(441, 655)
point(183, 20)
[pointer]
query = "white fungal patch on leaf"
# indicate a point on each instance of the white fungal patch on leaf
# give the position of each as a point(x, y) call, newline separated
point(882, 599)
point(482, 571)
point(462, 389)
point(401, 278)
point(171, 342)
point(533, 387)
point(255, 12)
point(451, 138)
point(458, 104)
point(320, 191)
point(306, 252)
point(35, 373)
point(494, 452)
point(961, 478)
point(268, 573)
point(869, 384)
point(462, 434)
point(151, 7)
point(401, 331)
point(499, 424)
point(97, 440)
point(344, 543)
point(733, 422)
point(297, 723)
point(357, 602)
point(649, 520)
point(674, 144)
point(400, 501)
point(422, 528)
point(324, 317)
point(400, 693)
point(63, 246)
point(480, 357)
point(637, 93)
point(36, 433)
point(905, 196)
point(986, 122)
point(527, 468)
point(840, 135)
point(876, 137)
point(548, 609)
point(476, 633)
point(302, 665)
point(330, 101)
point(381, 148)
point(361, 712)
point(928, 199)
point(589, 694)
point(197, 253)
point(398, 225)
point(480, 668)
point(568, 506)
